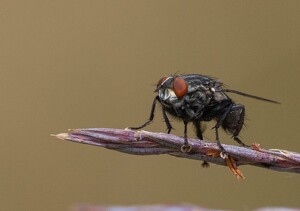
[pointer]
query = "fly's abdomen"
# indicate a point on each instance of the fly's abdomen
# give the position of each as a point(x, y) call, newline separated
point(234, 120)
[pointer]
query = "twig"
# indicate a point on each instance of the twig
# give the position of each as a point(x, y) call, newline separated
point(150, 143)
point(163, 207)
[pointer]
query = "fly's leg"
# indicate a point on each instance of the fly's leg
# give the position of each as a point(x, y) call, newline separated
point(240, 141)
point(219, 143)
point(149, 121)
point(167, 121)
point(197, 125)
point(234, 122)
point(185, 147)
point(239, 126)
point(218, 125)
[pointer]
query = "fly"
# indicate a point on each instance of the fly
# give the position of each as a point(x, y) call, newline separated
point(198, 98)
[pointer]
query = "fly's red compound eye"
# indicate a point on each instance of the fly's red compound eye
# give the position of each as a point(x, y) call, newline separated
point(161, 81)
point(180, 87)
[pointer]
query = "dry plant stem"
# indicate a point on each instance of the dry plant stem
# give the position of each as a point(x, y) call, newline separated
point(150, 143)
point(163, 207)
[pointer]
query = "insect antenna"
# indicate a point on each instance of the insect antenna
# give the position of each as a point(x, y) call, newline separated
point(248, 95)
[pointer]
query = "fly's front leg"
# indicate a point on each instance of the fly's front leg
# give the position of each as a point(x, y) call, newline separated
point(167, 121)
point(149, 121)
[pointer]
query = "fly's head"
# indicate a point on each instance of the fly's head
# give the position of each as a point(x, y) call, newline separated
point(171, 90)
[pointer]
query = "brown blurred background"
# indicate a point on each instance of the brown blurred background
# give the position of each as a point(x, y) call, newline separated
point(77, 64)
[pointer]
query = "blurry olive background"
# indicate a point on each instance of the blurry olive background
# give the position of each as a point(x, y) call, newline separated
point(78, 64)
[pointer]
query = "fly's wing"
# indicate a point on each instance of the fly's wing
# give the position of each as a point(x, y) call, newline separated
point(222, 89)
point(219, 89)
point(251, 96)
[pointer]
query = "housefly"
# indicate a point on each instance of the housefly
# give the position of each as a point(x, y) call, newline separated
point(197, 99)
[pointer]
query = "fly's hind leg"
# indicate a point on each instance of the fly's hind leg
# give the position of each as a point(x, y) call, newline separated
point(238, 140)
point(234, 122)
